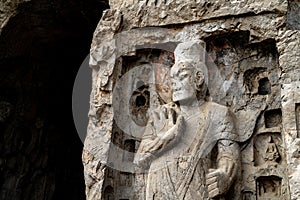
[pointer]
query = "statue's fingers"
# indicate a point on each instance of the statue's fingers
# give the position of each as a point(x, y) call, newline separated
point(212, 187)
point(213, 193)
point(163, 114)
point(230, 168)
point(159, 144)
point(156, 116)
point(156, 146)
point(174, 116)
point(227, 166)
point(176, 129)
point(212, 174)
point(142, 148)
point(176, 108)
point(149, 146)
point(211, 180)
point(171, 117)
point(179, 121)
point(169, 110)
point(152, 147)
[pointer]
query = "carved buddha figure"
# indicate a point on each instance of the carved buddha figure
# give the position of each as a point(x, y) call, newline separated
point(190, 147)
point(271, 154)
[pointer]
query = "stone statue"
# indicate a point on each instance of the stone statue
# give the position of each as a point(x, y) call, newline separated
point(189, 146)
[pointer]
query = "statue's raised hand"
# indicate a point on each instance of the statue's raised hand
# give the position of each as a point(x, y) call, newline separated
point(165, 125)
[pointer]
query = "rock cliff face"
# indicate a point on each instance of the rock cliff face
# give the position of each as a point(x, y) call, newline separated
point(252, 58)
point(43, 44)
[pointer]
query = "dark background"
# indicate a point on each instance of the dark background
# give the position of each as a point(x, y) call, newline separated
point(42, 48)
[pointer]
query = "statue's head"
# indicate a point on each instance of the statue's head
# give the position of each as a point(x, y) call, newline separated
point(188, 80)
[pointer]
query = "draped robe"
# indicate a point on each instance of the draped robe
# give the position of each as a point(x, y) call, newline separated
point(179, 172)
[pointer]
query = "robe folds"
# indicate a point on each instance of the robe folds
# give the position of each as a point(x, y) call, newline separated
point(179, 172)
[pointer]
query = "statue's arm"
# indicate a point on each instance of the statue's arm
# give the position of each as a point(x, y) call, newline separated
point(219, 180)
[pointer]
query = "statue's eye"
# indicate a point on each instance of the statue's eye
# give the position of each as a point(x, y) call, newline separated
point(183, 75)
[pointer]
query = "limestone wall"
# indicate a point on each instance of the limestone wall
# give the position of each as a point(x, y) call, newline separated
point(256, 76)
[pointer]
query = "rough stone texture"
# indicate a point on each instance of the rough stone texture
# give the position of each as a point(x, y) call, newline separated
point(162, 12)
point(8, 8)
point(252, 62)
point(289, 61)
point(293, 16)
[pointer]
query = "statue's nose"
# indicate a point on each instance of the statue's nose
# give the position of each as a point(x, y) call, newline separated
point(175, 85)
point(176, 89)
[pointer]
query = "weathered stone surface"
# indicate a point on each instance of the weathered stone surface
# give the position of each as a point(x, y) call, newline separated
point(251, 64)
point(288, 46)
point(293, 15)
point(162, 12)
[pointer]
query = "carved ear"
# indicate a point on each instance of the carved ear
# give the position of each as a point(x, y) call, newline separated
point(199, 79)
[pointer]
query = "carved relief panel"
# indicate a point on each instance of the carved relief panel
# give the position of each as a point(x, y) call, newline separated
point(250, 59)
point(250, 86)
point(243, 77)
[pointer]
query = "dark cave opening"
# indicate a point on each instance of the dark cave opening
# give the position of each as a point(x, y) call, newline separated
point(42, 48)
point(264, 87)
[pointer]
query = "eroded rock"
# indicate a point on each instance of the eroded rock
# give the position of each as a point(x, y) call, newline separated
point(251, 63)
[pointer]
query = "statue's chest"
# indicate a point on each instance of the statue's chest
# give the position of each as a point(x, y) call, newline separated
point(186, 152)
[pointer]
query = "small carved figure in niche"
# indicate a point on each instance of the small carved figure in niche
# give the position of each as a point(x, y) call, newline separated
point(109, 193)
point(268, 187)
point(182, 134)
point(248, 195)
point(271, 154)
point(125, 179)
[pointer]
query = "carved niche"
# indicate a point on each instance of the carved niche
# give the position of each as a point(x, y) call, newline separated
point(268, 188)
point(268, 149)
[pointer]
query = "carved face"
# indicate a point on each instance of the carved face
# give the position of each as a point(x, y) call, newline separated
point(185, 81)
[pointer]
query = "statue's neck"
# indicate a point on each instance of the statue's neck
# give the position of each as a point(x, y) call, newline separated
point(189, 108)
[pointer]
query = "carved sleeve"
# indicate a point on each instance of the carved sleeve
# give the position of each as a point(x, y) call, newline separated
point(228, 157)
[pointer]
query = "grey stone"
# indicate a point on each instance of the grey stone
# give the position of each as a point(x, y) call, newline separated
point(249, 64)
